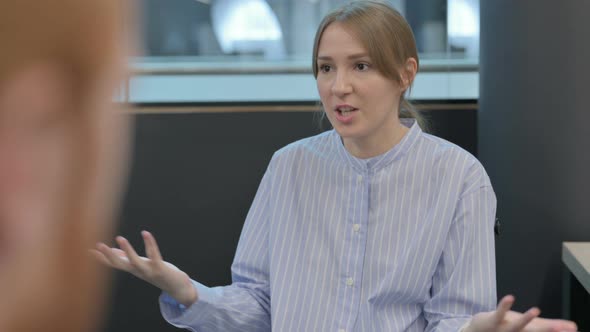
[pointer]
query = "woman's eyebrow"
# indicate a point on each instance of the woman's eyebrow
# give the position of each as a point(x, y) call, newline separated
point(350, 57)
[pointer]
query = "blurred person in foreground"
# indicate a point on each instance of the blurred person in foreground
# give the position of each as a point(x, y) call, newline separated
point(62, 158)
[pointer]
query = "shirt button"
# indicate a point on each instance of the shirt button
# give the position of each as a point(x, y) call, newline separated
point(341, 330)
point(356, 227)
point(349, 282)
point(359, 179)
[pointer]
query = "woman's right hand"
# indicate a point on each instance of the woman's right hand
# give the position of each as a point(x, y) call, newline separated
point(152, 268)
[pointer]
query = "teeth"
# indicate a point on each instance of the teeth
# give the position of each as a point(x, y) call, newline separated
point(345, 110)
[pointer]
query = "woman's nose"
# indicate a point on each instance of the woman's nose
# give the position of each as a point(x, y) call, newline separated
point(341, 85)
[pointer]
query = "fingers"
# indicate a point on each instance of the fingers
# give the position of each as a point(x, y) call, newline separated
point(133, 257)
point(151, 246)
point(112, 257)
point(503, 307)
point(100, 257)
point(126, 258)
point(505, 320)
point(119, 253)
point(522, 321)
point(555, 325)
point(568, 326)
point(517, 324)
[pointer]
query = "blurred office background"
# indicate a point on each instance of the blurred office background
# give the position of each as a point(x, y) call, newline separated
point(222, 84)
point(234, 30)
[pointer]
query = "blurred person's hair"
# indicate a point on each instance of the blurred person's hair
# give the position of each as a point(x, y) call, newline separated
point(55, 284)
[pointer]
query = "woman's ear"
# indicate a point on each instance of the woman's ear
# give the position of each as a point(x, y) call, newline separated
point(408, 73)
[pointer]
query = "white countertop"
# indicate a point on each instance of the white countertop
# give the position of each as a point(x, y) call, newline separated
point(576, 256)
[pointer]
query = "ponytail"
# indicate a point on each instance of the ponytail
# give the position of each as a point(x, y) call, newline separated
point(408, 111)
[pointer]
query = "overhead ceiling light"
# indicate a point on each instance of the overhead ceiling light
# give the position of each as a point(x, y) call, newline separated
point(246, 26)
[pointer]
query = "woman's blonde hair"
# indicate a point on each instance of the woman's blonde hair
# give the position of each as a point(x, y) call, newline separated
point(385, 34)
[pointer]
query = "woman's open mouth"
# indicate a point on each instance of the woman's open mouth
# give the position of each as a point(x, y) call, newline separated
point(345, 113)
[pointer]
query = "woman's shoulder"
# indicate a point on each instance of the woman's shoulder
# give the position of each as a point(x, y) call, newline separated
point(452, 158)
point(441, 148)
point(317, 145)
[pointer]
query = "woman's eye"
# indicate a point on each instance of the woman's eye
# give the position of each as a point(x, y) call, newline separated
point(325, 68)
point(362, 66)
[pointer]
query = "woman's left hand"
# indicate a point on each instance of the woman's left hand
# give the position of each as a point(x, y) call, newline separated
point(504, 320)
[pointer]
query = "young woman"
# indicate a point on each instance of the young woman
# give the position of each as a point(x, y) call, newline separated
point(62, 150)
point(372, 226)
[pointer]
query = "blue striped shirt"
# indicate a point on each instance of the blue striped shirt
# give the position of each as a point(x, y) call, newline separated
point(399, 242)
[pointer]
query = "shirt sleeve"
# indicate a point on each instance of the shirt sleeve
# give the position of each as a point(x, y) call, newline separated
point(464, 282)
point(245, 304)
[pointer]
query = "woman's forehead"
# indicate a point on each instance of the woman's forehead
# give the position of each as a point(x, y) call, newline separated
point(340, 40)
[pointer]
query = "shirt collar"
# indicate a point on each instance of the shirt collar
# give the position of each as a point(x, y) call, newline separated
point(374, 164)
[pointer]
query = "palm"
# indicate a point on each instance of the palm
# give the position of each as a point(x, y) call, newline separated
point(152, 268)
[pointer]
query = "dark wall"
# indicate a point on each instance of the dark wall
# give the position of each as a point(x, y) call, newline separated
point(534, 139)
point(193, 179)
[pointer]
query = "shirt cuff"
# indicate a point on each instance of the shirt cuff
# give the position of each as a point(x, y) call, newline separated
point(464, 326)
point(182, 316)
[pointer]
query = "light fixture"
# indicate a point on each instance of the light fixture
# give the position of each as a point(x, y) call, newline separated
point(247, 27)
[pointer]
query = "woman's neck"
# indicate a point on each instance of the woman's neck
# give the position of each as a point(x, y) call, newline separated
point(375, 145)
